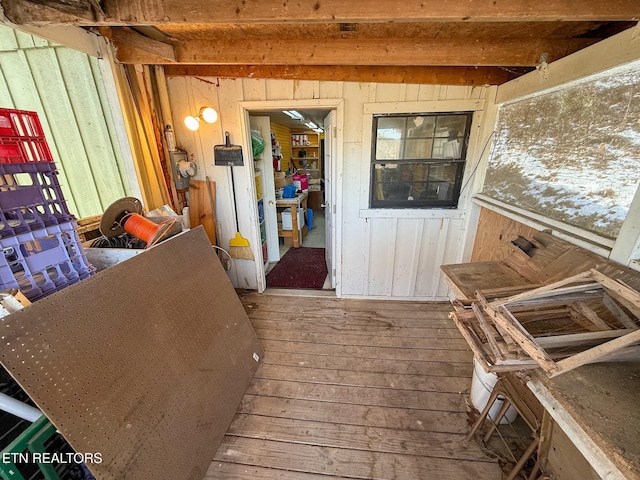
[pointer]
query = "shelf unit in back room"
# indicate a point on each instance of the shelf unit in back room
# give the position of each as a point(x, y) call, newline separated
point(258, 164)
point(309, 141)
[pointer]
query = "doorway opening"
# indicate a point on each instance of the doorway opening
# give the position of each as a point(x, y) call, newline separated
point(292, 182)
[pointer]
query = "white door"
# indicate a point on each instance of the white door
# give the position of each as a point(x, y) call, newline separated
point(330, 155)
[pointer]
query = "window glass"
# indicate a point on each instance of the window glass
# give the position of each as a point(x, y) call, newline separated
point(418, 160)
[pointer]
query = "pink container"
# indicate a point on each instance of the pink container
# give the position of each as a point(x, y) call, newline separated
point(301, 182)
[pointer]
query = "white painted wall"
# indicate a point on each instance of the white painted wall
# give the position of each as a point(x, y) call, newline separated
point(384, 253)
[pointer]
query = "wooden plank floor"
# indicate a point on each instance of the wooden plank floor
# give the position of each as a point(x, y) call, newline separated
point(353, 389)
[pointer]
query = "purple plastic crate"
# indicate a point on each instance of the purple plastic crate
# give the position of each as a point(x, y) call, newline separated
point(43, 261)
point(30, 198)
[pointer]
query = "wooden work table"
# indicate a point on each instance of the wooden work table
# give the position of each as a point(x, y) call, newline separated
point(597, 407)
point(293, 204)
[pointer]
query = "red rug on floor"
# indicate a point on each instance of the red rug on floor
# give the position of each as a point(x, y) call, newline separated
point(302, 267)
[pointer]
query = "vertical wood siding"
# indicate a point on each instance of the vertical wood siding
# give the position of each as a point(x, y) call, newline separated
point(66, 89)
point(381, 257)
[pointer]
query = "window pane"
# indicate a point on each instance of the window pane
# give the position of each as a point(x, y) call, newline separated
point(451, 126)
point(418, 149)
point(420, 126)
point(415, 181)
point(387, 149)
point(392, 182)
point(391, 127)
point(446, 148)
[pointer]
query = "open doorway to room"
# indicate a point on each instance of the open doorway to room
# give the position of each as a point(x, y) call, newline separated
point(291, 191)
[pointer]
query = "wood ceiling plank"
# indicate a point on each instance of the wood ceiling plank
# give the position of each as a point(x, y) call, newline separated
point(141, 46)
point(513, 52)
point(141, 12)
point(352, 73)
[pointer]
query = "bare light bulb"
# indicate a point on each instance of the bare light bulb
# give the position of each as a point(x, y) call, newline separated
point(192, 123)
point(209, 115)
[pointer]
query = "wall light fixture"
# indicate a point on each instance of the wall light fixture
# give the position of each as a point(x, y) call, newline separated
point(208, 114)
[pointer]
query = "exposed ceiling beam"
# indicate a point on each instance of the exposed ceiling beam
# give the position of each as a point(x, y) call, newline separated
point(419, 75)
point(144, 12)
point(132, 44)
point(398, 51)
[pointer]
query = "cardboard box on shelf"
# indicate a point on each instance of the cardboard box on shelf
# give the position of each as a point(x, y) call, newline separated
point(281, 179)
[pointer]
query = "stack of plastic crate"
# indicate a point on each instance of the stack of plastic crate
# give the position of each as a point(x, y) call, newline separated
point(42, 252)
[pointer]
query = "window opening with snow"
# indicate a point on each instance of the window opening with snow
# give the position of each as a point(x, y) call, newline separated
point(572, 154)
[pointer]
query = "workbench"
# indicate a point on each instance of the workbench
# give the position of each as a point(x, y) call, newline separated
point(296, 235)
point(596, 406)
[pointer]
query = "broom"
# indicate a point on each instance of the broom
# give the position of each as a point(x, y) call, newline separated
point(238, 246)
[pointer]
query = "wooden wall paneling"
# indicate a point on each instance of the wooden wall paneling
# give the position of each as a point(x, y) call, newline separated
point(380, 268)
point(5, 95)
point(356, 231)
point(92, 128)
point(406, 254)
point(331, 89)
point(389, 92)
point(305, 89)
point(428, 258)
point(428, 92)
point(254, 89)
point(279, 89)
point(412, 92)
point(494, 235)
point(25, 84)
point(118, 155)
point(8, 40)
point(355, 94)
point(565, 460)
point(230, 92)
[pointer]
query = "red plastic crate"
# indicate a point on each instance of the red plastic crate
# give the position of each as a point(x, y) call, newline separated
point(20, 123)
point(24, 150)
point(22, 139)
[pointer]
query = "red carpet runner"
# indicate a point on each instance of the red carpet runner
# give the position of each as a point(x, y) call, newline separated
point(302, 267)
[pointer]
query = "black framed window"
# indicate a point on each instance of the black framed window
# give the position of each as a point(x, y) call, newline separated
point(418, 159)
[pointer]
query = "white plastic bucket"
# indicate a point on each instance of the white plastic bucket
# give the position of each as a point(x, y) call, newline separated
point(481, 387)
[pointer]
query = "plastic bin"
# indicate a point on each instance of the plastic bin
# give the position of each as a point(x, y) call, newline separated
point(43, 261)
point(30, 198)
point(22, 138)
point(482, 384)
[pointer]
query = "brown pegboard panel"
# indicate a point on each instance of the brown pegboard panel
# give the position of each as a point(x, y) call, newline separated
point(145, 362)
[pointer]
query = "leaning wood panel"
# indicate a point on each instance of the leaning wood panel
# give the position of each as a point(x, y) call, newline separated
point(494, 235)
point(123, 368)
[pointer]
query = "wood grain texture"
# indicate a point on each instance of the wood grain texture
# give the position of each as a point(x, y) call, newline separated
point(353, 389)
point(200, 208)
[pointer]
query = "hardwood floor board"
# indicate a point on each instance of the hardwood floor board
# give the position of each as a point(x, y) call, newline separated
point(451, 402)
point(363, 379)
point(365, 352)
point(392, 321)
point(373, 365)
point(345, 328)
point(434, 343)
point(354, 389)
point(350, 414)
point(237, 471)
point(347, 462)
point(329, 434)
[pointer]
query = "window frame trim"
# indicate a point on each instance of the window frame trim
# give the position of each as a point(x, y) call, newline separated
point(460, 162)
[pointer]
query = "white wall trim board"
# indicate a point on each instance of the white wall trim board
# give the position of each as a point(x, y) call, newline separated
point(424, 107)
point(587, 240)
point(399, 298)
point(411, 213)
